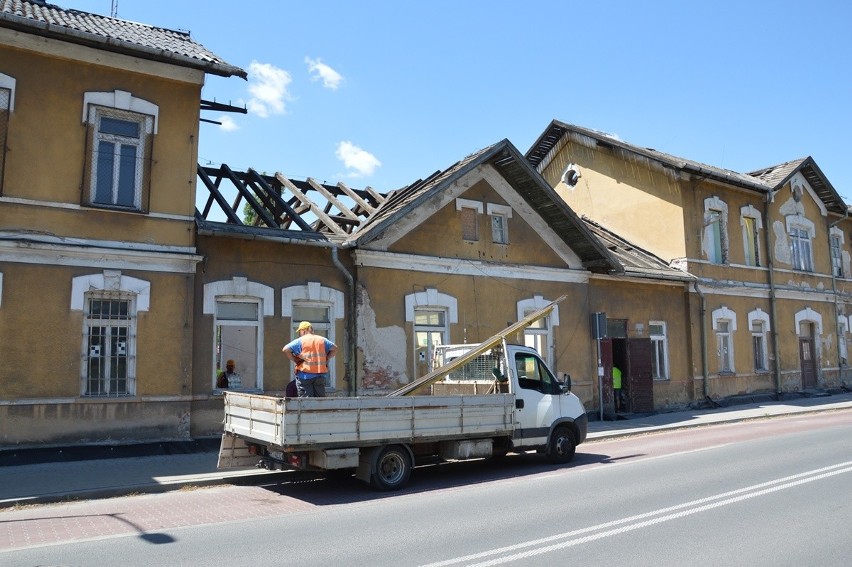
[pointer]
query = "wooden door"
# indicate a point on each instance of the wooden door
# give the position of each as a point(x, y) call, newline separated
point(639, 376)
point(806, 355)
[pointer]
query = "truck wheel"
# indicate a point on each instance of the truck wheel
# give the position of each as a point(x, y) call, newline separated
point(392, 468)
point(562, 445)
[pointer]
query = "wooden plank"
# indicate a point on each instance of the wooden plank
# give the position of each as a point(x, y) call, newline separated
point(332, 199)
point(439, 373)
point(355, 197)
point(323, 218)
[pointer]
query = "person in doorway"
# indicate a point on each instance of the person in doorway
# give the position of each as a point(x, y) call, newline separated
point(229, 378)
point(311, 354)
point(616, 388)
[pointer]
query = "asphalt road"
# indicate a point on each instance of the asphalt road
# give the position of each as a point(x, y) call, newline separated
point(769, 492)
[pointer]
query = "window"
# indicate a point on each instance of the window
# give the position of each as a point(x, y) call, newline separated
point(110, 341)
point(724, 346)
point(237, 324)
point(724, 325)
point(841, 340)
point(430, 330)
point(660, 350)
point(469, 224)
point(616, 328)
point(319, 316)
point(500, 215)
point(121, 131)
point(801, 233)
point(534, 375)
point(751, 223)
point(7, 105)
point(539, 335)
point(758, 341)
point(109, 302)
point(837, 255)
point(468, 216)
point(715, 243)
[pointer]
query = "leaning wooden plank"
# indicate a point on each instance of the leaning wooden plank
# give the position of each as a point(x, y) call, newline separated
point(332, 199)
point(355, 197)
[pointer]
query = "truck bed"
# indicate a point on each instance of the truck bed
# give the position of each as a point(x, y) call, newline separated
point(298, 424)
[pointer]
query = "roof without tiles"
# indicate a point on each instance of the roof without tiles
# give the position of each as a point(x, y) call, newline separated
point(37, 17)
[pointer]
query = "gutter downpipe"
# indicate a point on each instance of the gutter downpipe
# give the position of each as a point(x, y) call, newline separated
point(349, 364)
point(702, 320)
point(772, 298)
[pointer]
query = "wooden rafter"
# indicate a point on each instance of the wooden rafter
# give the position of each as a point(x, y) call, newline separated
point(321, 216)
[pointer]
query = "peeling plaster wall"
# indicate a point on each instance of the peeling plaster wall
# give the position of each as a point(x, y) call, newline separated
point(383, 348)
point(782, 247)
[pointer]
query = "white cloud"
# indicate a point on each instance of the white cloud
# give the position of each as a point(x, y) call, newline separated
point(228, 124)
point(331, 79)
point(268, 88)
point(358, 161)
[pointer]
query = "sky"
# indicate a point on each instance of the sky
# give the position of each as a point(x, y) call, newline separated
point(383, 93)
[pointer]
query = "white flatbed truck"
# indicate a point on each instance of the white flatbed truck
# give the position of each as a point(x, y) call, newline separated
point(519, 406)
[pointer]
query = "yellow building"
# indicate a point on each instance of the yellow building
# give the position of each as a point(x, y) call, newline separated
point(768, 310)
point(99, 121)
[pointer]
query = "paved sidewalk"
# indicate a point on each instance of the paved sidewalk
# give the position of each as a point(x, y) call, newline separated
point(101, 478)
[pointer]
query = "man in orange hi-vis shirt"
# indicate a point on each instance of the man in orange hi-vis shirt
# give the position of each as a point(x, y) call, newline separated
point(311, 354)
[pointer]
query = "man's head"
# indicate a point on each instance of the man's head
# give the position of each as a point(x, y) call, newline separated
point(230, 365)
point(304, 327)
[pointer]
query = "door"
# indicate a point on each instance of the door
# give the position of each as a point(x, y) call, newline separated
point(536, 400)
point(639, 376)
point(806, 355)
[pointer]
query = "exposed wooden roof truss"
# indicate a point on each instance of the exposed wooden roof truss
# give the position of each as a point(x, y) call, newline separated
point(249, 198)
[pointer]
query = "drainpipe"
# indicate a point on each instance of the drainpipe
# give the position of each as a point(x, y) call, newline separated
point(773, 318)
point(349, 364)
point(702, 321)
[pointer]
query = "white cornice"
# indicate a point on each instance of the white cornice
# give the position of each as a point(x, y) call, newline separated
point(763, 293)
point(74, 207)
point(115, 256)
point(463, 267)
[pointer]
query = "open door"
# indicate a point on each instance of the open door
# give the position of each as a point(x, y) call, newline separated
point(639, 376)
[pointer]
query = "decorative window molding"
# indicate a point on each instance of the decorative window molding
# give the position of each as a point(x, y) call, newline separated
point(836, 241)
point(801, 231)
point(7, 82)
point(842, 329)
point(469, 204)
point(110, 280)
point(759, 315)
point(500, 215)
point(723, 313)
point(121, 100)
point(238, 287)
point(810, 316)
point(315, 292)
point(658, 333)
point(571, 175)
point(431, 298)
point(751, 223)
point(758, 324)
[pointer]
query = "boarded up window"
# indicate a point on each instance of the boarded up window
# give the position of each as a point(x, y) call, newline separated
point(469, 224)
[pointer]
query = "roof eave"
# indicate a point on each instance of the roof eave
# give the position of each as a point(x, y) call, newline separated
point(118, 46)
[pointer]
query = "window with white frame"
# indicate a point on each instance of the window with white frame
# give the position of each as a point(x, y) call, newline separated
point(469, 212)
point(758, 341)
point(660, 350)
point(539, 335)
point(801, 233)
point(724, 325)
point(109, 335)
point(320, 317)
point(842, 329)
point(237, 330)
point(751, 222)
point(121, 131)
point(430, 313)
point(500, 215)
point(110, 303)
point(7, 105)
point(716, 230)
point(836, 241)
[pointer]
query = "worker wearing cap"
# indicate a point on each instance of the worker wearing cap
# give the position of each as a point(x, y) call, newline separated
point(311, 354)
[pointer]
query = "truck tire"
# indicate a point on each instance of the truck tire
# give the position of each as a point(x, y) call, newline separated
point(562, 445)
point(392, 468)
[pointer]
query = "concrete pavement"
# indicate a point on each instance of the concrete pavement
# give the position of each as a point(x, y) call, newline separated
point(105, 477)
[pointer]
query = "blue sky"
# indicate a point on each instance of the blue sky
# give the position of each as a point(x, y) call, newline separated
point(383, 93)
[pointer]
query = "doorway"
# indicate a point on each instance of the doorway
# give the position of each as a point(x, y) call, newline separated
point(807, 350)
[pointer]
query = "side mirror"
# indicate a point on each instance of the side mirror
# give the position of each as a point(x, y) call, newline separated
point(566, 382)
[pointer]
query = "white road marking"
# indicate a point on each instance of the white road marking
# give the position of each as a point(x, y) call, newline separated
point(607, 529)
